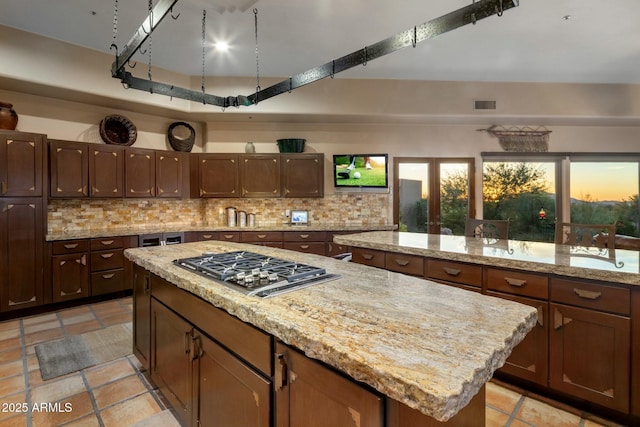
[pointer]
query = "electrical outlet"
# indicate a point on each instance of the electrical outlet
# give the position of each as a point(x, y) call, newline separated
point(287, 212)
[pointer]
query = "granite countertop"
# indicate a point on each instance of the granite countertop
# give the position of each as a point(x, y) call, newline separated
point(429, 346)
point(88, 233)
point(621, 266)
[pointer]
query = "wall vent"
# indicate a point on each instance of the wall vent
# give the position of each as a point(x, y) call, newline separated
point(484, 104)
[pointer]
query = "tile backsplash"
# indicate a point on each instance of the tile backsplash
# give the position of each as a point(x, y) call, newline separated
point(351, 209)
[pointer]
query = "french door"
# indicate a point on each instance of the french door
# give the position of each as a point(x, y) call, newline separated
point(433, 195)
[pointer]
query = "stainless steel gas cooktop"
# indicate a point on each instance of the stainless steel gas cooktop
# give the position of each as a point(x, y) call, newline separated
point(256, 274)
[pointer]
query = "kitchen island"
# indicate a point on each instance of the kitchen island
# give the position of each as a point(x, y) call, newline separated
point(429, 347)
point(579, 292)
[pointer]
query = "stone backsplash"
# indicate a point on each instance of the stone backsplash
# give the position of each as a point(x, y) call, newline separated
point(352, 209)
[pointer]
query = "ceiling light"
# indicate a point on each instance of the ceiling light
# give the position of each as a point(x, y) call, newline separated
point(221, 46)
point(566, 17)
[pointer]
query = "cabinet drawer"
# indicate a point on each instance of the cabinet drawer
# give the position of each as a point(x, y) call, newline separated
point(229, 236)
point(107, 260)
point(336, 249)
point(591, 295)
point(70, 246)
point(403, 263)
point(305, 236)
point(309, 248)
point(457, 272)
point(106, 282)
point(370, 257)
point(261, 236)
point(518, 283)
point(107, 243)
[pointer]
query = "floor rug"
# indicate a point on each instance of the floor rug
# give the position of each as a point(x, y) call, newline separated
point(70, 354)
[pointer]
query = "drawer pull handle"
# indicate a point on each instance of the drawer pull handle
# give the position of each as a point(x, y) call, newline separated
point(515, 282)
point(207, 236)
point(106, 256)
point(261, 236)
point(304, 236)
point(304, 246)
point(541, 316)
point(368, 257)
point(107, 242)
point(64, 294)
point(228, 236)
point(587, 294)
point(402, 262)
point(451, 271)
point(71, 246)
point(108, 276)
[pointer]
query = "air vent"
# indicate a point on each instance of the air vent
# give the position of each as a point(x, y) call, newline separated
point(484, 104)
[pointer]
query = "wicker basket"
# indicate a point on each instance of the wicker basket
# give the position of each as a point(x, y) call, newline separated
point(181, 136)
point(118, 130)
point(291, 145)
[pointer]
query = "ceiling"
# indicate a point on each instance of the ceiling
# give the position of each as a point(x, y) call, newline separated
point(588, 41)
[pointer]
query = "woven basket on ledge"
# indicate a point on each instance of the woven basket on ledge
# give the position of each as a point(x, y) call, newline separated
point(181, 136)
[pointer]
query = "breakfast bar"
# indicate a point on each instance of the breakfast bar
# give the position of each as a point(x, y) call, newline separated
point(406, 340)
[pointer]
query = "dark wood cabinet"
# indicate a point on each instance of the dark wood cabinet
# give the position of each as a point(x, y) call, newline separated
point(459, 274)
point(200, 236)
point(108, 272)
point(311, 242)
point(260, 175)
point(69, 169)
point(21, 253)
point(70, 270)
point(172, 174)
point(142, 315)
point(215, 175)
point(21, 164)
point(140, 172)
point(229, 393)
point(371, 257)
point(635, 352)
point(106, 171)
point(171, 358)
point(302, 175)
point(590, 355)
point(312, 395)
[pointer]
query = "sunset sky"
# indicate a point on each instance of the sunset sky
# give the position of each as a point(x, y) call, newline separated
point(604, 181)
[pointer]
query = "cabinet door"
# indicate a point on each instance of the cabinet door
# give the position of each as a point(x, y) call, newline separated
point(21, 164)
point(590, 355)
point(70, 276)
point(260, 175)
point(218, 175)
point(170, 174)
point(529, 359)
point(230, 393)
point(302, 175)
point(142, 316)
point(312, 395)
point(171, 358)
point(140, 173)
point(21, 253)
point(69, 169)
point(106, 171)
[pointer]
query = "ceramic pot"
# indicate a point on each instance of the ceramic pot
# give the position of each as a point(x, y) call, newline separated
point(8, 117)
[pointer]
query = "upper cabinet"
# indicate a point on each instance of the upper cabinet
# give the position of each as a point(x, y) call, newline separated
point(260, 175)
point(21, 156)
point(140, 172)
point(215, 175)
point(69, 174)
point(302, 175)
point(106, 171)
point(172, 174)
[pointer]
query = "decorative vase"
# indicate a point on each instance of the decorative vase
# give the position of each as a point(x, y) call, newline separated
point(8, 117)
point(249, 147)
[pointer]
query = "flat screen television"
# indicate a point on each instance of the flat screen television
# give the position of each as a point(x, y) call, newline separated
point(360, 170)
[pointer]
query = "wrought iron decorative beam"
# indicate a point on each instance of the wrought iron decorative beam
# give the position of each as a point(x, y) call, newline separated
point(445, 23)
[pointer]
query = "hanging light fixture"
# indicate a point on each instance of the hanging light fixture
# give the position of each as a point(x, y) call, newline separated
point(445, 23)
point(542, 214)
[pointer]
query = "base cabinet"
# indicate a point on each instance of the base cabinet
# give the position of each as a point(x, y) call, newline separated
point(312, 395)
point(142, 316)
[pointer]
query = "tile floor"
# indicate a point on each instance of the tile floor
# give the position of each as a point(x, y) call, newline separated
point(118, 394)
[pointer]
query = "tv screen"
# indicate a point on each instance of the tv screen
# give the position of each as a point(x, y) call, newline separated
point(360, 170)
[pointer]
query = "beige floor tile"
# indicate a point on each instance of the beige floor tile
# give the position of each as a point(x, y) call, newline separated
point(106, 308)
point(65, 410)
point(10, 343)
point(116, 318)
point(164, 419)
point(543, 415)
point(14, 407)
point(107, 372)
point(11, 385)
point(43, 336)
point(10, 355)
point(593, 421)
point(495, 418)
point(54, 324)
point(130, 411)
point(9, 333)
point(74, 312)
point(55, 389)
point(19, 420)
point(79, 318)
point(32, 362)
point(118, 391)
point(81, 328)
point(88, 421)
point(502, 398)
point(27, 321)
point(8, 325)
point(10, 369)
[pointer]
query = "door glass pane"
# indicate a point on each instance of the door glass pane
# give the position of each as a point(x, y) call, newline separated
point(524, 193)
point(454, 197)
point(413, 183)
point(605, 193)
